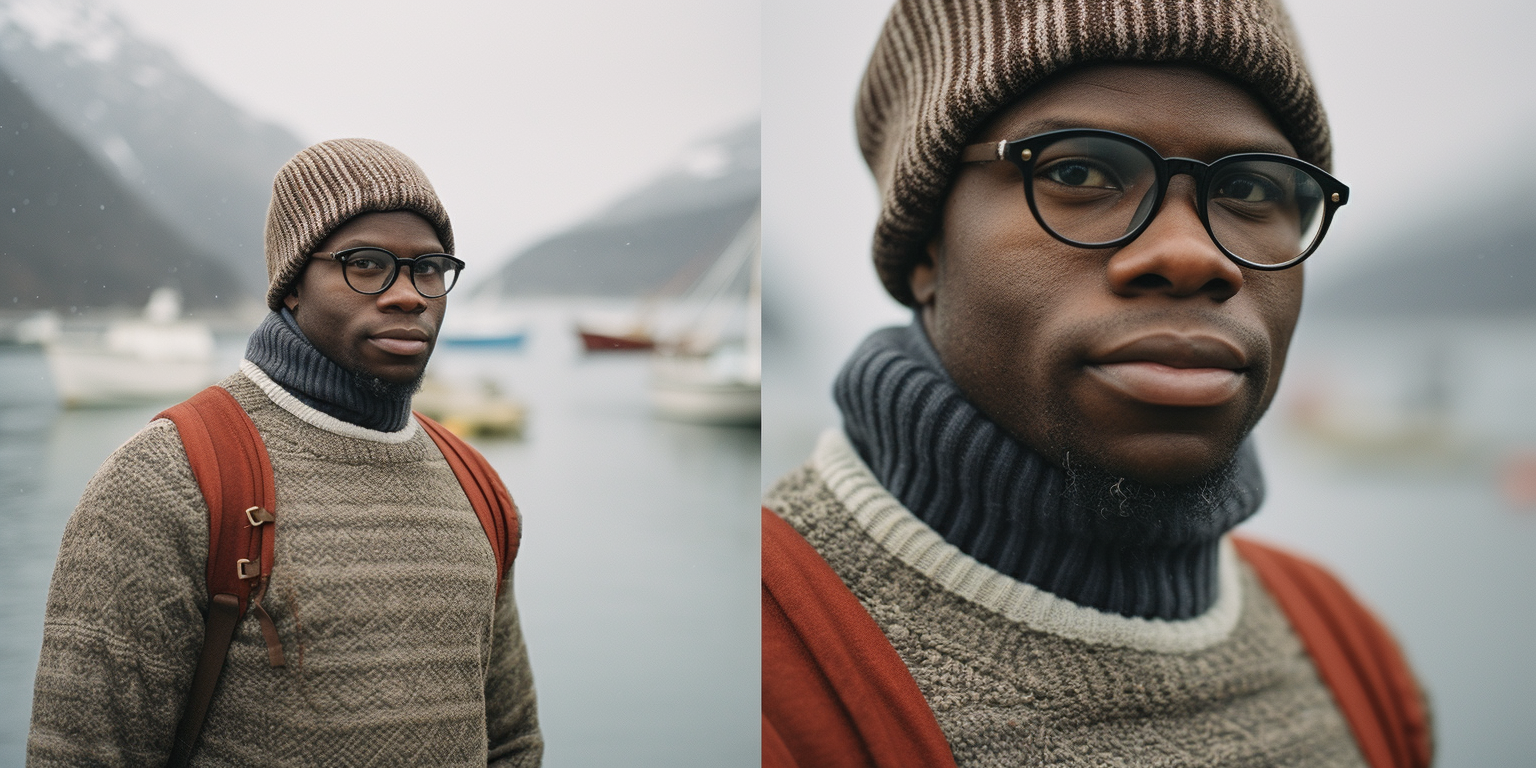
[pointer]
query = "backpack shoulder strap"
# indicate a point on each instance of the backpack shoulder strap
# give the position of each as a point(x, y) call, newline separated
point(1354, 654)
point(835, 693)
point(230, 462)
point(493, 505)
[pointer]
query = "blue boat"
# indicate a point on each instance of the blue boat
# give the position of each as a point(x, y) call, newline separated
point(513, 340)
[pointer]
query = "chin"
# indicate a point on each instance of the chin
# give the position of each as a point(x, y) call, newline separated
point(1166, 459)
point(1152, 458)
point(386, 379)
point(399, 371)
point(395, 374)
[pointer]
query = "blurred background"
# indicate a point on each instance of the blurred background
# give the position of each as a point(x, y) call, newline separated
point(1401, 449)
point(601, 164)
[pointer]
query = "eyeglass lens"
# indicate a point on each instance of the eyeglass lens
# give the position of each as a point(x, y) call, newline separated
point(1094, 190)
point(371, 271)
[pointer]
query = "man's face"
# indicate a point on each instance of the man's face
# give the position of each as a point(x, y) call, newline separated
point(389, 335)
point(1150, 361)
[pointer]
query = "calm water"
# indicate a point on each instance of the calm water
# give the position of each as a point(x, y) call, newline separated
point(637, 578)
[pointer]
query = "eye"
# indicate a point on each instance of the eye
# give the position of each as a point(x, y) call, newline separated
point(368, 260)
point(1249, 188)
point(436, 265)
point(1080, 173)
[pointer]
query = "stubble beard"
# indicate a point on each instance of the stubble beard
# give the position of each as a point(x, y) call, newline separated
point(388, 390)
point(1113, 508)
point(381, 388)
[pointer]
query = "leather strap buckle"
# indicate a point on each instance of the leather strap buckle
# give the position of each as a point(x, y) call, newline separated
point(259, 515)
point(248, 569)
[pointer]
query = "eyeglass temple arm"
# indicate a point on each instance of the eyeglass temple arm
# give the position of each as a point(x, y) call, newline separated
point(984, 153)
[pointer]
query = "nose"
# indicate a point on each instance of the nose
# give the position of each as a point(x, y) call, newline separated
point(1175, 256)
point(402, 295)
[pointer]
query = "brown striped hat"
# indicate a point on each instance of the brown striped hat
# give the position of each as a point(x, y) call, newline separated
point(942, 67)
point(325, 185)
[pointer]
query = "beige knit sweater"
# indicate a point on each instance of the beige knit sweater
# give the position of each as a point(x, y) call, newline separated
point(1019, 677)
point(382, 590)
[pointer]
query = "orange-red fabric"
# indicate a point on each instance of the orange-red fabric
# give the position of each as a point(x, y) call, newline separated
point(1354, 655)
point(835, 694)
point(234, 473)
point(230, 462)
point(492, 503)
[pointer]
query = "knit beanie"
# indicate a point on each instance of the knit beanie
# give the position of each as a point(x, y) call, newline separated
point(325, 185)
point(942, 67)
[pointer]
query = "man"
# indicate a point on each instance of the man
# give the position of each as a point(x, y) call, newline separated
point(1030, 498)
point(383, 590)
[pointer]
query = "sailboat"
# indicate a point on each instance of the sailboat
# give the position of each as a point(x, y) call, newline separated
point(637, 330)
point(155, 357)
point(704, 375)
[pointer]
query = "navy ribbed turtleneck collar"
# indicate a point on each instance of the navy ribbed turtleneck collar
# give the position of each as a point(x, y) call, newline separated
point(1152, 554)
point(282, 351)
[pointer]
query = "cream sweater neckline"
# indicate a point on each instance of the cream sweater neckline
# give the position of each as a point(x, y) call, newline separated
point(900, 533)
point(283, 399)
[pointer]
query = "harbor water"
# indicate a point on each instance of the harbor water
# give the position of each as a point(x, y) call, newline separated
point(636, 581)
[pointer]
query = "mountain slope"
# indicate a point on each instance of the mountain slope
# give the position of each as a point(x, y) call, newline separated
point(1469, 263)
point(73, 236)
point(196, 160)
point(656, 239)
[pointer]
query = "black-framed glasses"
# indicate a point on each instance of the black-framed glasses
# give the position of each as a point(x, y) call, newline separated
point(1100, 189)
point(371, 271)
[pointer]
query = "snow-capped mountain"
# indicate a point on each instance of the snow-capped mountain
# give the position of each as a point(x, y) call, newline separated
point(73, 236)
point(196, 160)
point(657, 237)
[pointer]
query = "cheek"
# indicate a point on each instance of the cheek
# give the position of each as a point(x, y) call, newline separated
point(985, 249)
point(1002, 290)
point(1277, 297)
point(1007, 282)
point(326, 311)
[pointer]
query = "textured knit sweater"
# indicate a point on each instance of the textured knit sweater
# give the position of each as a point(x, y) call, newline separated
point(1017, 676)
point(383, 593)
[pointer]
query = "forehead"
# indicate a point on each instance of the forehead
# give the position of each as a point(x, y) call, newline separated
point(1179, 110)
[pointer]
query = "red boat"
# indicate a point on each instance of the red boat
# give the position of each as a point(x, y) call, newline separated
point(592, 341)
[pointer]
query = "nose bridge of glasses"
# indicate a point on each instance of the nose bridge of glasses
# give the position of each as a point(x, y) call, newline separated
point(1183, 192)
point(1184, 166)
point(1175, 188)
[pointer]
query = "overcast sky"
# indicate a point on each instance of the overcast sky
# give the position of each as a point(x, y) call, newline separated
point(527, 116)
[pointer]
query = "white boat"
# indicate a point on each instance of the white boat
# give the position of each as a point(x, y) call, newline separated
point(708, 390)
point(703, 375)
point(158, 357)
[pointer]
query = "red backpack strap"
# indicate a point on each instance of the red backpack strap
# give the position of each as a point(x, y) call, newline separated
point(493, 505)
point(835, 693)
point(1354, 655)
point(230, 462)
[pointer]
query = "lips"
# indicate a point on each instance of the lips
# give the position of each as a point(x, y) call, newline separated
point(1173, 369)
point(405, 342)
